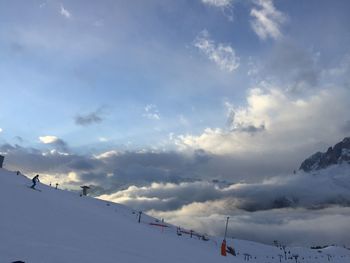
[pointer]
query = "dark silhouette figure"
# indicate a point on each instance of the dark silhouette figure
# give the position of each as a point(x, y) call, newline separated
point(35, 180)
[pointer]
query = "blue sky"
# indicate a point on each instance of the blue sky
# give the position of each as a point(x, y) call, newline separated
point(120, 94)
point(63, 59)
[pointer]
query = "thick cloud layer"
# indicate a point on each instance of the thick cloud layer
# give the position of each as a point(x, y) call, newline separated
point(286, 124)
point(307, 209)
point(169, 185)
point(302, 190)
point(110, 171)
point(289, 226)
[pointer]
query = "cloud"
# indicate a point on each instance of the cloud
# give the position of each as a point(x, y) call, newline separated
point(106, 155)
point(103, 139)
point(175, 186)
point(31, 160)
point(294, 67)
point(151, 112)
point(226, 7)
point(89, 119)
point(19, 139)
point(239, 126)
point(249, 128)
point(267, 20)
point(111, 170)
point(218, 3)
point(328, 188)
point(53, 140)
point(64, 12)
point(48, 139)
point(293, 227)
point(164, 196)
point(285, 205)
point(280, 123)
point(341, 69)
point(346, 126)
point(1, 130)
point(221, 54)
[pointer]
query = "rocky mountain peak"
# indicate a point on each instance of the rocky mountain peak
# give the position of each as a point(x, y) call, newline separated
point(337, 154)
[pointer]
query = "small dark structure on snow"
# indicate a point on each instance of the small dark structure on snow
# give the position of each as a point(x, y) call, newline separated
point(140, 213)
point(85, 188)
point(1, 160)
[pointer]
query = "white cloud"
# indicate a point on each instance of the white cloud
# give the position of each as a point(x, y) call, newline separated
point(283, 203)
point(103, 139)
point(222, 54)
point(62, 147)
point(291, 226)
point(48, 139)
point(151, 112)
point(218, 3)
point(267, 20)
point(273, 122)
point(253, 67)
point(1, 129)
point(226, 7)
point(65, 180)
point(64, 12)
point(106, 155)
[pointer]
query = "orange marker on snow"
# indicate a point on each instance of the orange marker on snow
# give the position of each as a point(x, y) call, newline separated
point(223, 248)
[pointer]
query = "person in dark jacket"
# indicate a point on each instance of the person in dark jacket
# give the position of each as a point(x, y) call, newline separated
point(35, 180)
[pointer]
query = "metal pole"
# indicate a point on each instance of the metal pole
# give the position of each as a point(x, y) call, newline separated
point(226, 227)
point(140, 213)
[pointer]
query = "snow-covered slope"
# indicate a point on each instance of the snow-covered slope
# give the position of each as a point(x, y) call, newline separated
point(55, 226)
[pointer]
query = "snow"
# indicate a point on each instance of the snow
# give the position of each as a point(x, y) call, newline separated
point(345, 152)
point(56, 226)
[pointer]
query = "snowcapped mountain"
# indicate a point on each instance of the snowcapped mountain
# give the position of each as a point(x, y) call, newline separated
point(56, 226)
point(338, 154)
point(322, 181)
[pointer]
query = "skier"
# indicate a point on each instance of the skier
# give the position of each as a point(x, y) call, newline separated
point(35, 180)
